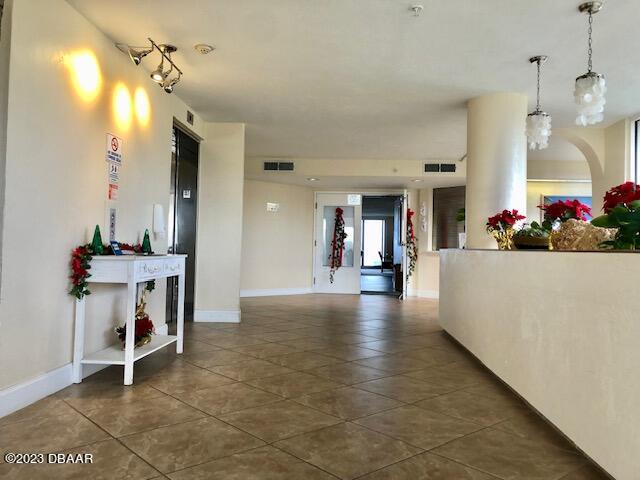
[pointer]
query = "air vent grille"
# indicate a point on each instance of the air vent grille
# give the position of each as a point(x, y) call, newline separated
point(440, 167)
point(279, 166)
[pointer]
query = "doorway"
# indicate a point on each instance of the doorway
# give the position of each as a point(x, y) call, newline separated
point(381, 258)
point(183, 210)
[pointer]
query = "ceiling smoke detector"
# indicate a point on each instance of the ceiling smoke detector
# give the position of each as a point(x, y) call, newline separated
point(203, 48)
point(416, 9)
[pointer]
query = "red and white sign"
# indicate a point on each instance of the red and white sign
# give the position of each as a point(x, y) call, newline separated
point(114, 149)
point(113, 192)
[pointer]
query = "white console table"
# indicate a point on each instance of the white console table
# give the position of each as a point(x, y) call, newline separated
point(129, 270)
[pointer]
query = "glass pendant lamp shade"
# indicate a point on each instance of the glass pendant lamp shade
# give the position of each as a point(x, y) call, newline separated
point(590, 98)
point(538, 122)
point(590, 87)
point(538, 130)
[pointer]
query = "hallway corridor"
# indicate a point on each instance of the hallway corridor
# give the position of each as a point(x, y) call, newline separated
point(306, 387)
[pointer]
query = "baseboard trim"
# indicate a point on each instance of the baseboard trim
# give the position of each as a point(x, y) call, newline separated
point(433, 294)
point(218, 316)
point(275, 292)
point(25, 393)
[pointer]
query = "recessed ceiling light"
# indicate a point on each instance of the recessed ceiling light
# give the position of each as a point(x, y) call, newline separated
point(204, 48)
point(312, 179)
point(417, 180)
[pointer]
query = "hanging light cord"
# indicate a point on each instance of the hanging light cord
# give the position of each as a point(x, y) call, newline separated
point(590, 50)
point(538, 88)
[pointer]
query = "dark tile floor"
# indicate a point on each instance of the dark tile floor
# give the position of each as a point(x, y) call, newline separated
point(306, 387)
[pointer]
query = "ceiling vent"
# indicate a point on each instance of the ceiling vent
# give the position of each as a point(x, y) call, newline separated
point(278, 166)
point(440, 167)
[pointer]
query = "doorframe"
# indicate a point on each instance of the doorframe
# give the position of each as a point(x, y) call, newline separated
point(391, 192)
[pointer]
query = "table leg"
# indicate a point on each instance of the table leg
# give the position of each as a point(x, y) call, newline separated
point(78, 341)
point(129, 344)
point(180, 326)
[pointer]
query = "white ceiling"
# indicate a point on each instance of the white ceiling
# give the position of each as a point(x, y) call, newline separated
point(365, 78)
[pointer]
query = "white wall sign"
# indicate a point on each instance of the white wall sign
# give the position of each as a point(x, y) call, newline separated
point(273, 207)
point(186, 193)
point(114, 149)
point(354, 199)
point(114, 172)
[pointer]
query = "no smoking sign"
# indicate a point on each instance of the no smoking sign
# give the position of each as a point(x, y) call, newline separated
point(114, 149)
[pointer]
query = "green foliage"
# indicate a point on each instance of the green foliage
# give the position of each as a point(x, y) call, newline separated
point(626, 218)
point(460, 215)
point(533, 230)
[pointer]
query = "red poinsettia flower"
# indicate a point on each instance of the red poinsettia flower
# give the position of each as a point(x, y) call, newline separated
point(504, 220)
point(624, 193)
point(564, 210)
point(144, 326)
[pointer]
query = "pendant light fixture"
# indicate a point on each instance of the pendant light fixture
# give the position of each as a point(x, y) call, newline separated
point(590, 87)
point(538, 121)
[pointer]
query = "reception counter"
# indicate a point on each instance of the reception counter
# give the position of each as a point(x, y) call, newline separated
point(562, 329)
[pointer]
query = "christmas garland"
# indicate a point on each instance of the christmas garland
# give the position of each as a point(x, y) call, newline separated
point(412, 244)
point(80, 259)
point(337, 244)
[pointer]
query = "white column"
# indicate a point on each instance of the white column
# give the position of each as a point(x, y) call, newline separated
point(497, 161)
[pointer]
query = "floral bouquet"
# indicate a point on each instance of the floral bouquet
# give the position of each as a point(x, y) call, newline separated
point(501, 227)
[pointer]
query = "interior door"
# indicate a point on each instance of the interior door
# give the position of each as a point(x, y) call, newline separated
point(347, 277)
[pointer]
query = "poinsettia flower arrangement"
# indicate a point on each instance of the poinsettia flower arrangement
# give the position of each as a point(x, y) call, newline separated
point(504, 220)
point(622, 211)
point(624, 193)
point(501, 227)
point(563, 210)
point(143, 330)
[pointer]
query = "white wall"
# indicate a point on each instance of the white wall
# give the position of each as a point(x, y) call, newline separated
point(566, 347)
point(277, 247)
point(219, 238)
point(56, 185)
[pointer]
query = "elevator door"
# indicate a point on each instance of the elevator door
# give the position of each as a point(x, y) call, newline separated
point(182, 217)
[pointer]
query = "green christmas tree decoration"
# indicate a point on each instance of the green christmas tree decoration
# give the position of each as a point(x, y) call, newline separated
point(146, 243)
point(96, 244)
